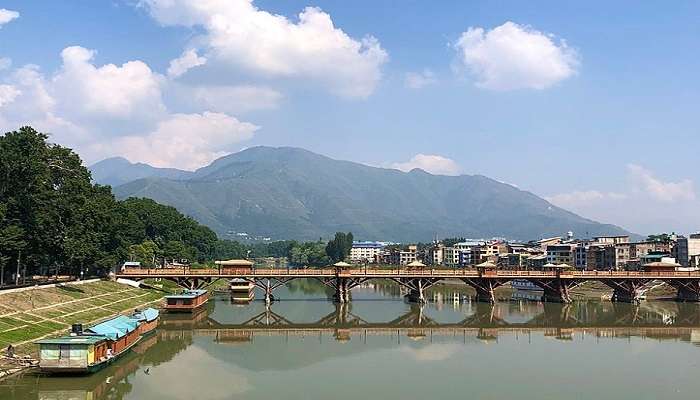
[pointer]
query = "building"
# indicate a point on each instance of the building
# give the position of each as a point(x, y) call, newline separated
point(450, 256)
point(543, 243)
point(361, 252)
point(611, 239)
point(403, 256)
point(600, 257)
point(436, 254)
point(561, 254)
point(580, 257)
point(687, 249)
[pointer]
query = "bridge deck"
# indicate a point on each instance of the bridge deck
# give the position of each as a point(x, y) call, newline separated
point(228, 273)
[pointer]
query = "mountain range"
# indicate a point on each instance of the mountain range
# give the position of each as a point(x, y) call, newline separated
point(292, 193)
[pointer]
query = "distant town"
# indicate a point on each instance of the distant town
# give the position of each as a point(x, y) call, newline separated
point(657, 252)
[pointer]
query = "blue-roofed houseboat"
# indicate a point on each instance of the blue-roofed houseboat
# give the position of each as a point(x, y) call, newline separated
point(87, 351)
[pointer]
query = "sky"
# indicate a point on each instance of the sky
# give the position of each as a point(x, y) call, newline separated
point(593, 106)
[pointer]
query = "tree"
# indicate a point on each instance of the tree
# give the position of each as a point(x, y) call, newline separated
point(339, 247)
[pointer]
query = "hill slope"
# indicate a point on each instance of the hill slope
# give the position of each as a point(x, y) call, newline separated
point(293, 193)
point(116, 171)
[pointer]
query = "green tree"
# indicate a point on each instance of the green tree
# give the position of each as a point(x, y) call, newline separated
point(339, 247)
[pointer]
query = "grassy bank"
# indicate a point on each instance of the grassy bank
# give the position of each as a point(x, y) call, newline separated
point(29, 315)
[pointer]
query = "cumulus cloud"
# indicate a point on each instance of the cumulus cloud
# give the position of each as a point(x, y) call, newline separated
point(418, 80)
point(115, 110)
point(658, 189)
point(238, 33)
point(187, 60)
point(432, 163)
point(8, 93)
point(513, 56)
point(125, 91)
point(185, 141)
point(7, 16)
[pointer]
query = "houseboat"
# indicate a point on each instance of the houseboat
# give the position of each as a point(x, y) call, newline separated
point(186, 301)
point(90, 350)
point(148, 320)
point(242, 291)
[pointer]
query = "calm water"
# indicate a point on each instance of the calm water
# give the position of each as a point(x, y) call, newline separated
point(305, 347)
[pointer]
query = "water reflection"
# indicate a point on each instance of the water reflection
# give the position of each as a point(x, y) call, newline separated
point(227, 350)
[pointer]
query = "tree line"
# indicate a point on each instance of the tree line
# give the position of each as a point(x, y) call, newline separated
point(55, 220)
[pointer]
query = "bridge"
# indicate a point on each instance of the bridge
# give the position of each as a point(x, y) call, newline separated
point(627, 286)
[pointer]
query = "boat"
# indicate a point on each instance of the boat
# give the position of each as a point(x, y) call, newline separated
point(524, 284)
point(88, 351)
point(186, 301)
point(148, 319)
point(242, 291)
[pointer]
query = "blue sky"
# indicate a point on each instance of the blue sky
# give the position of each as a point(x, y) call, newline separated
point(593, 106)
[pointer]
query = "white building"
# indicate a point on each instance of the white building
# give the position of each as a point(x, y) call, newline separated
point(365, 251)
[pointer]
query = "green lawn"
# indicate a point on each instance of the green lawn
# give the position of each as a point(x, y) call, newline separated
point(62, 306)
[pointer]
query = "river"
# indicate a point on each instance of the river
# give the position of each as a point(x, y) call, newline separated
point(378, 346)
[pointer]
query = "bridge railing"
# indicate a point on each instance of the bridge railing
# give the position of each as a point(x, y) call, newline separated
point(418, 272)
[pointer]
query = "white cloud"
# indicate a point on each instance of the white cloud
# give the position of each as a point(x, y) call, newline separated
point(434, 164)
point(663, 191)
point(187, 60)
point(5, 63)
point(577, 198)
point(116, 110)
point(418, 80)
point(7, 16)
point(185, 141)
point(645, 205)
point(127, 91)
point(240, 34)
point(8, 93)
point(235, 99)
point(513, 56)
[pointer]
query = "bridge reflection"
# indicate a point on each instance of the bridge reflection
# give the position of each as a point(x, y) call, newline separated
point(662, 320)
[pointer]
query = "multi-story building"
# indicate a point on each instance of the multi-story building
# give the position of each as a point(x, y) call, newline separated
point(600, 257)
point(436, 254)
point(450, 256)
point(366, 252)
point(486, 252)
point(403, 256)
point(561, 254)
point(623, 253)
point(580, 255)
point(686, 249)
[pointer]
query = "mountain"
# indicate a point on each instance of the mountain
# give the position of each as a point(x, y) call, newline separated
point(116, 171)
point(288, 193)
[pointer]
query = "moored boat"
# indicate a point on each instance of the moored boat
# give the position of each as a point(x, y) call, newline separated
point(90, 350)
point(148, 319)
point(186, 301)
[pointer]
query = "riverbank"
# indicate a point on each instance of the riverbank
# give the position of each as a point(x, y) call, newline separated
point(29, 315)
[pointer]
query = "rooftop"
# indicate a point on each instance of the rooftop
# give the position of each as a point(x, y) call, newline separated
point(187, 294)
point(82, 339)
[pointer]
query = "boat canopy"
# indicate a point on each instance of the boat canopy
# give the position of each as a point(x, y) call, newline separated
point(148, 315)
point(73, 340)
point(115, 328)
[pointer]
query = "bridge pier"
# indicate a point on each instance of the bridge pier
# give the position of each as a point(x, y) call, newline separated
point(688, 290)
point(628, 290)
point(485, 287)
point(416, 288)
point(556, 290)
